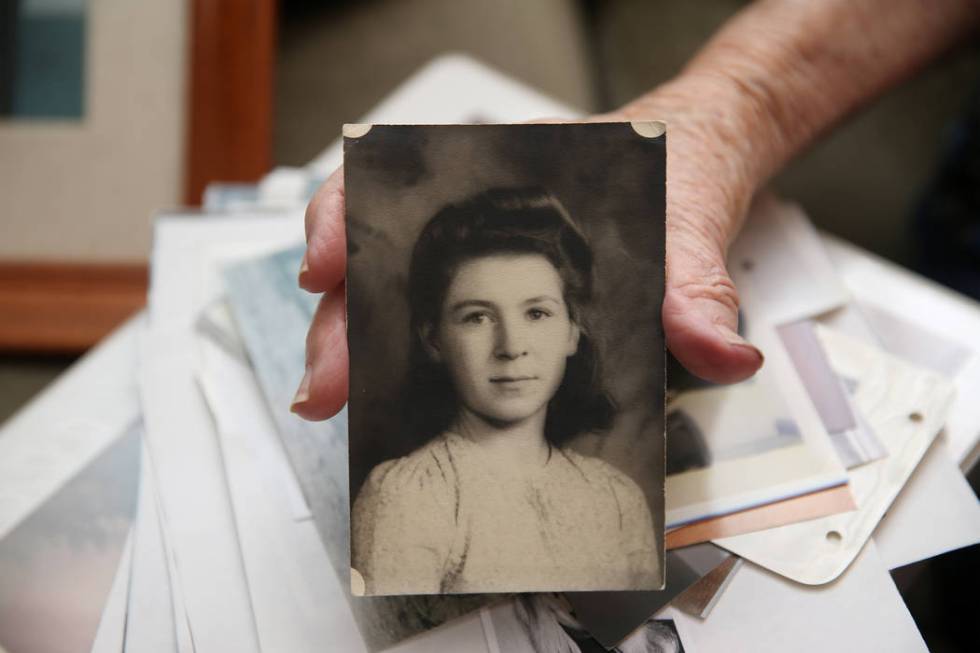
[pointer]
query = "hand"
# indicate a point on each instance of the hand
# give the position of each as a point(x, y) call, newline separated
point(707, 193)
point(716, 159)
point(323, 390)
point(770, 81)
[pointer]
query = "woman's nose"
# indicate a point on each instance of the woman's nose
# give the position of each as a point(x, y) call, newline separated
point(510, 340)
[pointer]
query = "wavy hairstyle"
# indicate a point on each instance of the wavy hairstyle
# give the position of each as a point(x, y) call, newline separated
point(502, 220)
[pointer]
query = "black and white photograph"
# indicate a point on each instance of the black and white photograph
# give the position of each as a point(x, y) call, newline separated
point(506, 406)
point(546, 623)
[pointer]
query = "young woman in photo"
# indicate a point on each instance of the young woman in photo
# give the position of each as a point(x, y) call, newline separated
point(502, 376)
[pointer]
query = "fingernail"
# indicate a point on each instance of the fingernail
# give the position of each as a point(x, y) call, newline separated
point(303, 393)
point(733, 338)
point(304, 267)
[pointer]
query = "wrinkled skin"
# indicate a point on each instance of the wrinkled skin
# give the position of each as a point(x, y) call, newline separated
point(777, 75)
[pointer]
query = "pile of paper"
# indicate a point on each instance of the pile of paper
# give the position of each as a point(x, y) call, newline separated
point(798, 466)
point(789, 496)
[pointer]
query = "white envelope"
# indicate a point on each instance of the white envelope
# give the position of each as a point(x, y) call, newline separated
point(151, 609)
point(780, 267)
point(761, 612)
point(907, 407)
point(942, 319)
point(206, 564)
point(935, 512)
point(112, 627)
point(68, 425)
point(298, 602)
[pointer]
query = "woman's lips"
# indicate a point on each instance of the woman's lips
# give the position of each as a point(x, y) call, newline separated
point(512, 379)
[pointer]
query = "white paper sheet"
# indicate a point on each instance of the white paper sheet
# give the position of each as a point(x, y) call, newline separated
point(112, 627)
point(150, 624)
point(298, 601)
point(778, 257)
point(182, 625)
point(761, 612)
point(935, 512)
point(57, 567)
point(218, 325)
point(907, 407)
point(194, 503)
point(68, 425)
point(932, 308)
point(209, 576)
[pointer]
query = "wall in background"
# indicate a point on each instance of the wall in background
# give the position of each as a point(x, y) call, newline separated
point(86, 190)
point(336, 60)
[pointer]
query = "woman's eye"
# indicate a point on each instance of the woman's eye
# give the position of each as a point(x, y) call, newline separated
point(538, 313)
point(475, 318)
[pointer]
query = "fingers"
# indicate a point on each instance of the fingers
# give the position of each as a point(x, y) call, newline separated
point(326, 240)
point(700, 311)
point(713, 169)
point(323, 390)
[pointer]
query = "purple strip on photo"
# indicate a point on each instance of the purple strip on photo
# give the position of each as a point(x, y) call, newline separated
point(822, 385)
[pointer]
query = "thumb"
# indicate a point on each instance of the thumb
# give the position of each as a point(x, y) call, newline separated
point(700, 310)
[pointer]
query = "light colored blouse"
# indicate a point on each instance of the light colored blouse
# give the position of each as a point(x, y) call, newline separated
point(441, 520)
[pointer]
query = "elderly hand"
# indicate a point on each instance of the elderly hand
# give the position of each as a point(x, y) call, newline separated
point(707, 193)
point(773, 78)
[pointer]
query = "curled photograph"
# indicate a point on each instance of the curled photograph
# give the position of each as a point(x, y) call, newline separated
point(506, 407)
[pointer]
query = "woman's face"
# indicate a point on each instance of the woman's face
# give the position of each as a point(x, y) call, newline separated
point(504, 334)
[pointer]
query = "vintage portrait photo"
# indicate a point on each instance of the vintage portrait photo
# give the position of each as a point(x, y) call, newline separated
point(506, 411)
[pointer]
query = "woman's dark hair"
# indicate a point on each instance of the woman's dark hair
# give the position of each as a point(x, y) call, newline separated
point(502, 220)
